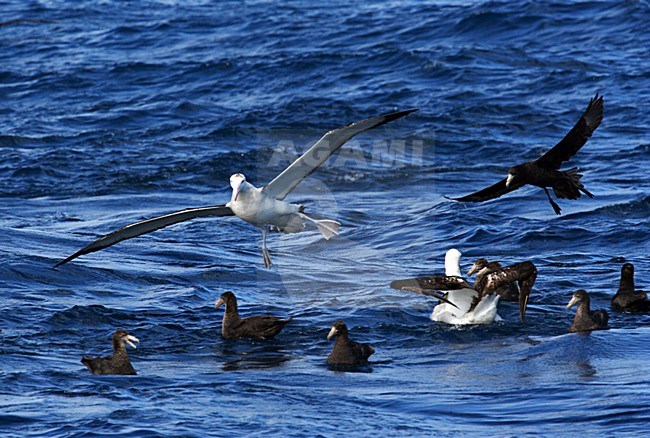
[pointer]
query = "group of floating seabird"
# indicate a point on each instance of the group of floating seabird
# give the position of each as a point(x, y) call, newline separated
point(345, 354)
point(460, 306)
point(460, 303)
point(463, 304)
point(627, 299)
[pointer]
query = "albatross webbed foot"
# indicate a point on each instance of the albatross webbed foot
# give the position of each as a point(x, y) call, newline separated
point(556, 207)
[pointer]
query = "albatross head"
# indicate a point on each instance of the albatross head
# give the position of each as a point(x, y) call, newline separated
point(515, 174)
point(236, 182)
point(452, 263)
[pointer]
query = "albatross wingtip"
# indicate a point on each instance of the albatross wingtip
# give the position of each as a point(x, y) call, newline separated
point(399, 114)
point(396, 115)
point(64, 261)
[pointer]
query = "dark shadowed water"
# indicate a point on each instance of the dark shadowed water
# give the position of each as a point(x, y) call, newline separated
point(116, 111)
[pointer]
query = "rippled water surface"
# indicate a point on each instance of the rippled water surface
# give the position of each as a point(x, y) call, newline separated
point(116, 111)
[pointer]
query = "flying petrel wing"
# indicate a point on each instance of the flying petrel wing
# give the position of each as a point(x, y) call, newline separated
point(148, 226)
point(492, 192)
point(300, 169)
point(577, 137)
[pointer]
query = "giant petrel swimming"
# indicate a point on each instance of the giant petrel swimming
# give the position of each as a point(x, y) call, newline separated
point(544, 172)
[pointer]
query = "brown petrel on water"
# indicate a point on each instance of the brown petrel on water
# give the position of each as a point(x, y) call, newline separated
point(233, 326)
point(346, 352)
point(627, 298)
point(545, 171)
point(119, 362)
point(586, 320)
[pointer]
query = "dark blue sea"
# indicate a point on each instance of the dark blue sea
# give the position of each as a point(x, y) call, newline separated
point(115, 111)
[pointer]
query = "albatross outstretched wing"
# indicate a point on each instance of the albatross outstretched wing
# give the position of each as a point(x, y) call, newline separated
point(492, 192)
point(577, 137)
point(148, 226)
point(300, 169)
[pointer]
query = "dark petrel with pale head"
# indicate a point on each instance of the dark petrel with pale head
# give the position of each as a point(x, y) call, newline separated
point(119, 362)
point(233, 326)
point(346, 352)
point(627, 299)
point(586, 320)
point(545, 171)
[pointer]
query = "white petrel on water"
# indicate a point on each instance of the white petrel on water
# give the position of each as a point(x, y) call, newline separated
point(263, 207)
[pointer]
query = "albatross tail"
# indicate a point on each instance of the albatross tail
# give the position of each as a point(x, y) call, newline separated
point(327, 227)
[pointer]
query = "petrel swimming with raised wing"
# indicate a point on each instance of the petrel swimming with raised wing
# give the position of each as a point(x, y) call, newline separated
point(263, 207)
point(477, 304)
point(544, 172)
point(482, 267)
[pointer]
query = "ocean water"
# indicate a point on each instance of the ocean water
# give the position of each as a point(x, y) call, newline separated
point(116, 111)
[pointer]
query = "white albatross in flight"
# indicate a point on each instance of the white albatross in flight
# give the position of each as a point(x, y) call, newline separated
point(263, 207)
point(467, 304)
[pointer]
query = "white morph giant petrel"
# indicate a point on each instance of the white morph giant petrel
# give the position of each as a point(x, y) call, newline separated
point(545, 171)
point(263, 207)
